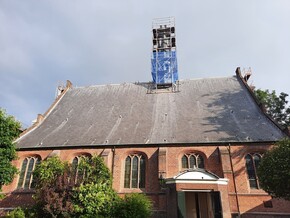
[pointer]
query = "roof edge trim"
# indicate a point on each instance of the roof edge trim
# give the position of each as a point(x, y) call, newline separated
point(40, 117)
point(260, 105)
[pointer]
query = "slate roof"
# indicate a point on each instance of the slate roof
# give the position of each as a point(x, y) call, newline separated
point(203, 111)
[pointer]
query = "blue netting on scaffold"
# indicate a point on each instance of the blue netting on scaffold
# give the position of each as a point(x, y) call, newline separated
point(166, 64)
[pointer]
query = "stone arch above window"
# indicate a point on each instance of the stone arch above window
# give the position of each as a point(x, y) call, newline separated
point(252, 163)
point(191, 161)
point(134, 171)
point(26, 173)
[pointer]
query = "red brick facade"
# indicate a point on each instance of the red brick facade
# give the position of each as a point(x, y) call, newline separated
point(225, 161)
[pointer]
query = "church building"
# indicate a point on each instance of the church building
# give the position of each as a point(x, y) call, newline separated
point(192, 146)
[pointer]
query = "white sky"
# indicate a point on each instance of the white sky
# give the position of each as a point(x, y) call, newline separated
point(93, 42)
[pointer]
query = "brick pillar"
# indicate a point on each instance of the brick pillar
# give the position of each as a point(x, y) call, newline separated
point(105, 156)
point(162, 162)
point(162, 170)
point(226, 163)
point(228, 174)
point(223, 189)
point(227, 168)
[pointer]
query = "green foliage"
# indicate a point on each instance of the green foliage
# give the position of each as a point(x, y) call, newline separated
point(57, 194)
point(9, 130)
point(16, 213)
point(274, 170)
point(134, 205)
point(48, 170)
point(92, 167)
point(276, 106)
point(95, 200)
point(95, 196)
point(2, 196)
point(31, 212)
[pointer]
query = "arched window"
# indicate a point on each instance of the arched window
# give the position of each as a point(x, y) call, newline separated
point(252, 163)
point(26, 173)
point(134, 171)
point(190, 161)
point(78, 173)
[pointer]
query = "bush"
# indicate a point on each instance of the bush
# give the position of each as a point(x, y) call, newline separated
point(58, 194)
point(54, 188)
point(95, 200)
point(16, 213)
point(134, 205)
point(47, 171)
point(95, 171)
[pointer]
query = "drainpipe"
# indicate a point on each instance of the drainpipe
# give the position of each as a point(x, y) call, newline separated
point(234, 177)
point(113, 161)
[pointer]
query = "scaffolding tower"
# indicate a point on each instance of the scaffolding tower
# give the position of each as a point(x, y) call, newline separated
point(163, 60)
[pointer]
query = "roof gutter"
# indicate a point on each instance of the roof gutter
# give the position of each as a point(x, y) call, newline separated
point(63, 147)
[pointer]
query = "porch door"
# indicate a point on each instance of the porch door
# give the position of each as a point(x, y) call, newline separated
point(199, 205)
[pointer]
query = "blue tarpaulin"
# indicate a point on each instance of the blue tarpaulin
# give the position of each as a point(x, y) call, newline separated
point(164, 67)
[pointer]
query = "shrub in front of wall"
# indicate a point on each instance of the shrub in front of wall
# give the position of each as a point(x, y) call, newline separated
point(134, 205)
point(16, 213)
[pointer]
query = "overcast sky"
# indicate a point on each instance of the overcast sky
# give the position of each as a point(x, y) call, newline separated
point(44, 43)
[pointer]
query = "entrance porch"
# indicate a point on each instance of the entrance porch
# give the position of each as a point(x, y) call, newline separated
point(197, 193)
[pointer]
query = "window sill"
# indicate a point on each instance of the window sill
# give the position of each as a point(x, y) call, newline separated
point(257, 191)
point(132, 190)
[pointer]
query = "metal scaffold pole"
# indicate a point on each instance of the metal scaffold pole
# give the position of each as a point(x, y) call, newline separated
point(163, 61)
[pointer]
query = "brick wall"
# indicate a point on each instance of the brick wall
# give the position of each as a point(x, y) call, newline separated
point(167, 161)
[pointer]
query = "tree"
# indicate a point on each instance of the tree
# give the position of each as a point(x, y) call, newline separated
point(9, 130)
point(85, 190)
point(58, 194)
point(54, 188)
point(274, 170)
point(276, 106)
point(95, 196)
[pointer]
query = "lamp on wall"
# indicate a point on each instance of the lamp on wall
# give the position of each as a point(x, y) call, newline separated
point(162, 181)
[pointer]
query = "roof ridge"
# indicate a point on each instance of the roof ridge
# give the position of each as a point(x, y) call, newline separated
point(150, 82)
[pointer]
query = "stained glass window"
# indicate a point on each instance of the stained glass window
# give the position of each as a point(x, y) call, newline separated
point(190, 161)
point(26, 173)
point(142, 173)
point(200, 162)
point(134, 171)
point(252, 163)
point(184, 161)
point(78, 173)
point(127, 172)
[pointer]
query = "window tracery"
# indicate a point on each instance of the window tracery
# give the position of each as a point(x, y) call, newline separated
point(252, 163)
point(26, 173)
point(192, 160)
point(134, 171)
point(78, 173)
